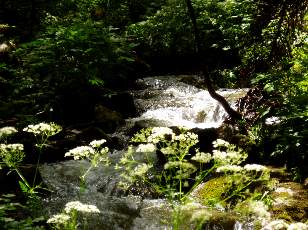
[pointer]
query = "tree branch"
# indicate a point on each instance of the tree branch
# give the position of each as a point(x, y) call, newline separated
point(234, 115)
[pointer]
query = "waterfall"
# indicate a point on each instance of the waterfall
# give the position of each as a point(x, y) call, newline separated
point(171, 102)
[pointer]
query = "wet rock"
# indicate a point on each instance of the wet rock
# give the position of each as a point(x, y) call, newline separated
point(194, 80)
point(196, 216)
point(206, 137)
point(122, 102)
point(107, 119)
point(146, 123)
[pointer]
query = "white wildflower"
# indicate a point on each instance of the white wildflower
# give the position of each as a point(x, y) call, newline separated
point(219, 155)
point(168, 150)
point(141, 169)
point(298, 226)
point(159, 133)
point(6, 131)
point(97, 143)
point(81, 152)
point(187, 137)
point(192, 136)
point(220, 143)
point(272, 120)
point(288, 191)
point(202, 157)
point(58, 219)
point(228, 157)
point(80, 207)
point(5, 148)
point(229, 168)
point(255, 167)
point(146, 148)
point(43, 129)
point(259, 209)
point(12, 154)
point(276, 225)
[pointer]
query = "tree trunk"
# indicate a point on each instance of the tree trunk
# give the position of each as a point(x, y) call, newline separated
point(234, 115)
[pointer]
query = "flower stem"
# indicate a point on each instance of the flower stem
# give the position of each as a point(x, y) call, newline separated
point(37, 164)
point(22, 177)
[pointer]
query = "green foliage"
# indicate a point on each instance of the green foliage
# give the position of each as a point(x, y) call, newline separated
point(286, 86)
point(224, 28)
point(12, 215)
point(71, 55)
point(169, 30)
point(118, 14)
point(81, 50)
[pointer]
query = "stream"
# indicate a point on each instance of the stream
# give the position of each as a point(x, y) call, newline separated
point(160, 101)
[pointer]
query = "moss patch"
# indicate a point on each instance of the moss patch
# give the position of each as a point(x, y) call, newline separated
point(290, 202)
point(211, 192)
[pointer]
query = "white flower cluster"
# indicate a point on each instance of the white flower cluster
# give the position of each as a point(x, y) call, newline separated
point(159, 133)
point(169, 150)
point(189, 136)
point(59, 219)
point(228, 157)
point(219, 155)
point(81, 152)
point(6, 148)
point(276, 225)
point(12, 154)
point(146, 148)
point(298, 226)
point(259, 210)
point(202, 157)
point(80, 207)
point(272, 120)
point(282, 225)
point(43, 129)
point(97, 143)
point(229, 168)
point(6, 131)
point(220, 143)
point(255, 167)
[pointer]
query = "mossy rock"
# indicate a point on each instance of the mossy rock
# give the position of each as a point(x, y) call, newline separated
point(211, 192)
point(194, 81)
point(290, 202)
point(196, 216)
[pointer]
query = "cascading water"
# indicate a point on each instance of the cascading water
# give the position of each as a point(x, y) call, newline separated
point(171, 102)
point(160, 101)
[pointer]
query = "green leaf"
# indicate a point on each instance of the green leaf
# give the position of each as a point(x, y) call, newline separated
point(269, 87)
point(24, 188)
point(96, 82)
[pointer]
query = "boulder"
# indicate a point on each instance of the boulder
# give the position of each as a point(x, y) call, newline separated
point(107, 119)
